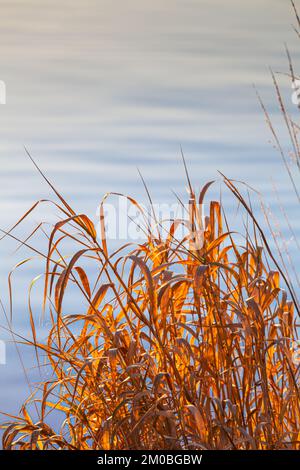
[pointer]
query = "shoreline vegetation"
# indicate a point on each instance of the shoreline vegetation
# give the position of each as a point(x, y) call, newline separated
point(187, 343)
point(179, 344)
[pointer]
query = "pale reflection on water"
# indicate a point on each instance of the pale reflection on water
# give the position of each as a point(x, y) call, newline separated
point(98, 88)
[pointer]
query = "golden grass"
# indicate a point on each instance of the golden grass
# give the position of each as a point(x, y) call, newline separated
point(174, 346)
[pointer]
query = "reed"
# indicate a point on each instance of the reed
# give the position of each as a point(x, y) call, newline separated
point(174, 344)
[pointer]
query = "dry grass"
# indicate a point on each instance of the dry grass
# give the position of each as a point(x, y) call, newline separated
point(290, 125)
point(175, 346)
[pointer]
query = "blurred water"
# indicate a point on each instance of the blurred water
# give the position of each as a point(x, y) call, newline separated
point(96, 88)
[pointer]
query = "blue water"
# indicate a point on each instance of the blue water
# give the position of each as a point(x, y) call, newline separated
point(99, 88)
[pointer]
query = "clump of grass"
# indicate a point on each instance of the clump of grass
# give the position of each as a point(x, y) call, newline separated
point(177, 344)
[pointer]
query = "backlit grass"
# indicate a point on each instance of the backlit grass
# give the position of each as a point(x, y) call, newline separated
point(175, 344)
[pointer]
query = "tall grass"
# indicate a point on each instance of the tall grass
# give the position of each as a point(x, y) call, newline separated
point(175, 344)
point(290, 124)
